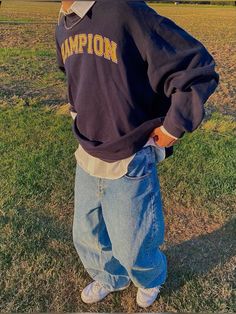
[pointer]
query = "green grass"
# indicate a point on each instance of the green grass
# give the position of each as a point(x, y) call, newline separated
point(41, 270)
point(202, 174)
point(31, 74)
point(40, 266)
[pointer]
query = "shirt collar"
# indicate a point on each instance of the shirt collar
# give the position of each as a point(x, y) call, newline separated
point(80, 8)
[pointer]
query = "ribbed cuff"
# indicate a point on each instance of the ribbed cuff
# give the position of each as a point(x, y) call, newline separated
point(172, 130)
point(167, 133)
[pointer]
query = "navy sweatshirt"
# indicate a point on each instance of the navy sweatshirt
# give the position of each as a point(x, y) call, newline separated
point(129, 70)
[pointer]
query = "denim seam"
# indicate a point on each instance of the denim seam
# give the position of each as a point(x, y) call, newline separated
point(154, 226)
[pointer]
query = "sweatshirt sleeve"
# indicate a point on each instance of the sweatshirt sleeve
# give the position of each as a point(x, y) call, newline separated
point(62, 68)
point(180, 67)
point(59, 58)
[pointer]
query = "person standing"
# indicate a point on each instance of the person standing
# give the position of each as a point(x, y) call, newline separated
point(137, 82)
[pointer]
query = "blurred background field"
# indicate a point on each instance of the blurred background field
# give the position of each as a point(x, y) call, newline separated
point(40, 270)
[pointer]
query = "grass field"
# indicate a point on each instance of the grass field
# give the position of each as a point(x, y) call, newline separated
point(40, 270)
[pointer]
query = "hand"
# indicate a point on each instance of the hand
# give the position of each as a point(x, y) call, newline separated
point(163, 138)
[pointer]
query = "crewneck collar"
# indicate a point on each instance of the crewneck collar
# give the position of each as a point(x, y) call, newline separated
point(80, 8)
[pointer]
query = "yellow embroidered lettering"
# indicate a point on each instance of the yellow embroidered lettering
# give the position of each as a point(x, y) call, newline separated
point(98, 45)
point(63, 52)
point(110, 50)
point(67, 49)
point(82, 42)
point(74, 44)
point(90, 44)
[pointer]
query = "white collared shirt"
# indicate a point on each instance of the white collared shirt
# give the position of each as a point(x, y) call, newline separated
point(80, 8)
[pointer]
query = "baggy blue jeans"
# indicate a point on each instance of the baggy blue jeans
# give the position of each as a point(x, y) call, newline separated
point(118, 225)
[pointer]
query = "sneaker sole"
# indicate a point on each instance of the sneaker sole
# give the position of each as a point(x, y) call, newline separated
point(90, 302)
point(144, 305)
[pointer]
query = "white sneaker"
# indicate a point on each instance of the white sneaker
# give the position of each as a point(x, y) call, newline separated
point(95, 292)
point(145, 297)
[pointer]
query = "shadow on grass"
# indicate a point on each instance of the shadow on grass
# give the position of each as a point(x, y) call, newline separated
point(198, 256)
point(45, 241)
point(33, 231)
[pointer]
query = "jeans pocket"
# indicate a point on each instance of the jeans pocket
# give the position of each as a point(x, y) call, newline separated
point(160, 153)
point(141, 165)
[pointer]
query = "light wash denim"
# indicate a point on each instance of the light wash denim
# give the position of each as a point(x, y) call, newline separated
point(119, 225)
